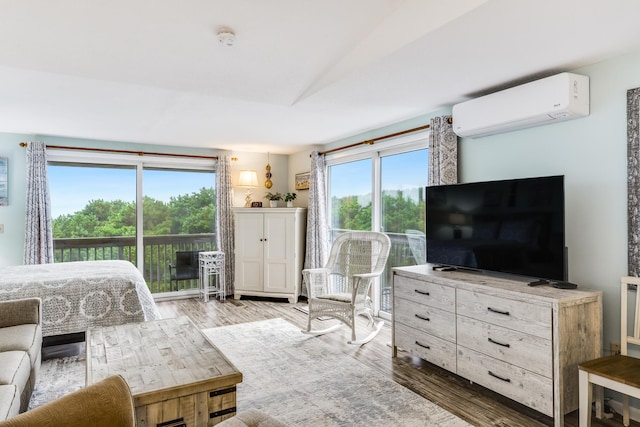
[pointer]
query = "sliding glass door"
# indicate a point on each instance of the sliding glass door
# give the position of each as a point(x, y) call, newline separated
point(382, 190)
point(143, 210)
point(403, 178)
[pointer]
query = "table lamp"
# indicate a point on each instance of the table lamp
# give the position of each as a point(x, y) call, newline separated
point(249, 180)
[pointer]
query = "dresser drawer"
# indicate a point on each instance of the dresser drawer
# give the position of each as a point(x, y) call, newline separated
point(428, 319)
point(432, 349)
point(517, 315)
point(443, 297)
point(520, 349)
point(532, 390)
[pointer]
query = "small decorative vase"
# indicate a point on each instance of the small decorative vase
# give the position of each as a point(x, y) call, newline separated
point(273, 203)
point(289, 204)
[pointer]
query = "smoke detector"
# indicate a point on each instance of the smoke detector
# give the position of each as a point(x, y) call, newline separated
point(226, 37)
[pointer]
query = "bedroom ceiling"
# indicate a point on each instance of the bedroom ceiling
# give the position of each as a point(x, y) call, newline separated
point(301, 72)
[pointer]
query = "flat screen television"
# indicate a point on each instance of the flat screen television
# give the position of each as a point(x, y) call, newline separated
point(512, 226)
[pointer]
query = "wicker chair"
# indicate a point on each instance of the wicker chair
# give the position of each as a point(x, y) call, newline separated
point(341, 289)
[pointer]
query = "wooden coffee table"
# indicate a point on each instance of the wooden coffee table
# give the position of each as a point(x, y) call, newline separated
point(177, 376)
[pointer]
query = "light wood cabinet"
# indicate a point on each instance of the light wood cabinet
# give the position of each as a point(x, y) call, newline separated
point(269, 252)
point(520, 341)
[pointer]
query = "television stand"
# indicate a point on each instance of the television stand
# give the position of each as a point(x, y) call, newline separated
point(524, 342)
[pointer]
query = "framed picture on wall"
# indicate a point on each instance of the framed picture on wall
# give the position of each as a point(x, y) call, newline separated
point(4, 182)
point(302, 180)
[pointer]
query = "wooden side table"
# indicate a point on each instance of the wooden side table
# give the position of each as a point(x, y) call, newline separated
point(176, 375)
point(212, 266)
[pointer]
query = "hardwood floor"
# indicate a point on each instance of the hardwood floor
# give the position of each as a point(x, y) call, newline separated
point(473, 403)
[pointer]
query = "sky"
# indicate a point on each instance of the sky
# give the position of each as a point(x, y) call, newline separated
point(399, 172)
point(72, 187)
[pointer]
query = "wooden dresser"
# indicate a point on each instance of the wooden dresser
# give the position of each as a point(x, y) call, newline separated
point(520, 341)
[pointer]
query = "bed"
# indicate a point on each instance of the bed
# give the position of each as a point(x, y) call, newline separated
point(77, 295)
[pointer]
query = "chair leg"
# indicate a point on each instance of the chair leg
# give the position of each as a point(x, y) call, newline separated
point(586, 395)
point(625, 410)
point(372, 335)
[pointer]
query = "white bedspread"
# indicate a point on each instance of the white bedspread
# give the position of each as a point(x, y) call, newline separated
point(77, 295)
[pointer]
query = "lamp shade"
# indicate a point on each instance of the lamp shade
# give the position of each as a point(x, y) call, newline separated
point(248, 179)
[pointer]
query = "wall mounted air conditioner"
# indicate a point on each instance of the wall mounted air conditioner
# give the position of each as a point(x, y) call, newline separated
point(553, 99)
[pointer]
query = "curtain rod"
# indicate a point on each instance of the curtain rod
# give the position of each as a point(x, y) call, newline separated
point(139, 153)
point(379, 138)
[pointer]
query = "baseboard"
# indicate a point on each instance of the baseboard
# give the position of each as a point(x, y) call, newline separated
point(634, 413)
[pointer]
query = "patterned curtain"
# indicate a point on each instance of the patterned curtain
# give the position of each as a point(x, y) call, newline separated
point(38, 236)
point(225, 224)
point(633, 180)
point(317, 231)
point(443, 152)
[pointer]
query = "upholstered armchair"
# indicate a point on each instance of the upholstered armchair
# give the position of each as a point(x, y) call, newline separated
point(107, 403)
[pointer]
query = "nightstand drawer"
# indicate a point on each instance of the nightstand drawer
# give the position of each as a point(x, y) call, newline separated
point(432, 349)
point(520, 349)
point(443, 297)
point(425, 318)
point(517, 315)
point(532, 390)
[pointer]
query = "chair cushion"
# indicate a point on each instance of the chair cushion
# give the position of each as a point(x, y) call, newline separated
point(342, 297)
point(26, 337)
point(9, 401)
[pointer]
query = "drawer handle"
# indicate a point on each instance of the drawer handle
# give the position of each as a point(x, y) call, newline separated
point(493, 310)
point(422, 317)
point(499, 343)
point(423, 345)
point(421, 292)
point(506, 380)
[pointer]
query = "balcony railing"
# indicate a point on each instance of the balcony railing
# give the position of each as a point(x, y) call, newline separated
point(159, 252)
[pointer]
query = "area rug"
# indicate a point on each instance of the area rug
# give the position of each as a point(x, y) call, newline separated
point(294, 377)
point(303, 381)
point(58, 377)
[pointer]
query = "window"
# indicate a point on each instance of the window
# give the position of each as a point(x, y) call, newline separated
point(93, 211)
point(140, 210)
point(382, 190)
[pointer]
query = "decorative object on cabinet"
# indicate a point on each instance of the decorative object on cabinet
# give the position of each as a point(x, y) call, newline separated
point(268, 174)
point(289, 198)
point(269, 252)
point(520, 341)
point(256, 204)
point(273, 198)
point(249, 180)
point(302, 180)
point(618, 372)
point(341, 289)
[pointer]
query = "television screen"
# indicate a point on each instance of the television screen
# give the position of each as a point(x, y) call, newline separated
point(512, 226)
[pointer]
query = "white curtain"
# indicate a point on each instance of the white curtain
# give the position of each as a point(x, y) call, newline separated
point(225, 222)
point(38, 238)
point(317, 232)
point(443, 152)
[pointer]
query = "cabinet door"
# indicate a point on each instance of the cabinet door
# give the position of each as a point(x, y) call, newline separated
point(278, 252)
point(249, 251)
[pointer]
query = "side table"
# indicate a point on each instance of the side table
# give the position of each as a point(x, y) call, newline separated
point(212, 275)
